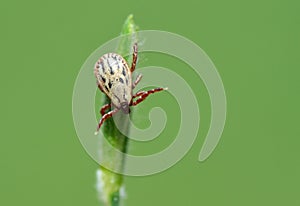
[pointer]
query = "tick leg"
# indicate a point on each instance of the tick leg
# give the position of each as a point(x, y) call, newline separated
point(137, 80)
point(138, 94)
point(105, 117)
point(134, 57)
point(143, 95)
point(104, 108)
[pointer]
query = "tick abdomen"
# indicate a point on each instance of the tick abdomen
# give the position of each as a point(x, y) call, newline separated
point(114, 77)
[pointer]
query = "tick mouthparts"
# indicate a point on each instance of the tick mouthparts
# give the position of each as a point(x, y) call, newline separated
point(125, 107)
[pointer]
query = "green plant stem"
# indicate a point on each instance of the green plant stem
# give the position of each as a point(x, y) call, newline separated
point(111, 183)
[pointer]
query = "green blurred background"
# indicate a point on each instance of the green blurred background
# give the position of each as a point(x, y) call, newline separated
point(255, 46)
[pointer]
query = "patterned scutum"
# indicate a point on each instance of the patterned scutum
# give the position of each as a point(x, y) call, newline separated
point(114, 78)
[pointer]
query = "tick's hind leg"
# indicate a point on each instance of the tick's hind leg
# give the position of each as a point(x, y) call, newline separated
point(134, 57)
point(105, 117)
point(144, 94)
point(104, 108)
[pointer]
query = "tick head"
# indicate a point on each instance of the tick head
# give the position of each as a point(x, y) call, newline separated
point(125, 107)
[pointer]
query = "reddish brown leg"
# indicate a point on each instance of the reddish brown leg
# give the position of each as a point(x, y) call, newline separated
point(104, 108)
point(144, 95)
point(105, 117)
point(137, 80)
point(134, 57)
point(138, 94)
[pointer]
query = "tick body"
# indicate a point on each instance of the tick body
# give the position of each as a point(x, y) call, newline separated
point(114, 78)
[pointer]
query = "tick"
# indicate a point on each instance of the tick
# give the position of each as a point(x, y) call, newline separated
point(114, 78)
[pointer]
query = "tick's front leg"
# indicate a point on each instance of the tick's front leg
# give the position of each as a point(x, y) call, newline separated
point(143, 95)
point(104, 108)
point(138, 94)
point(105, 117)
